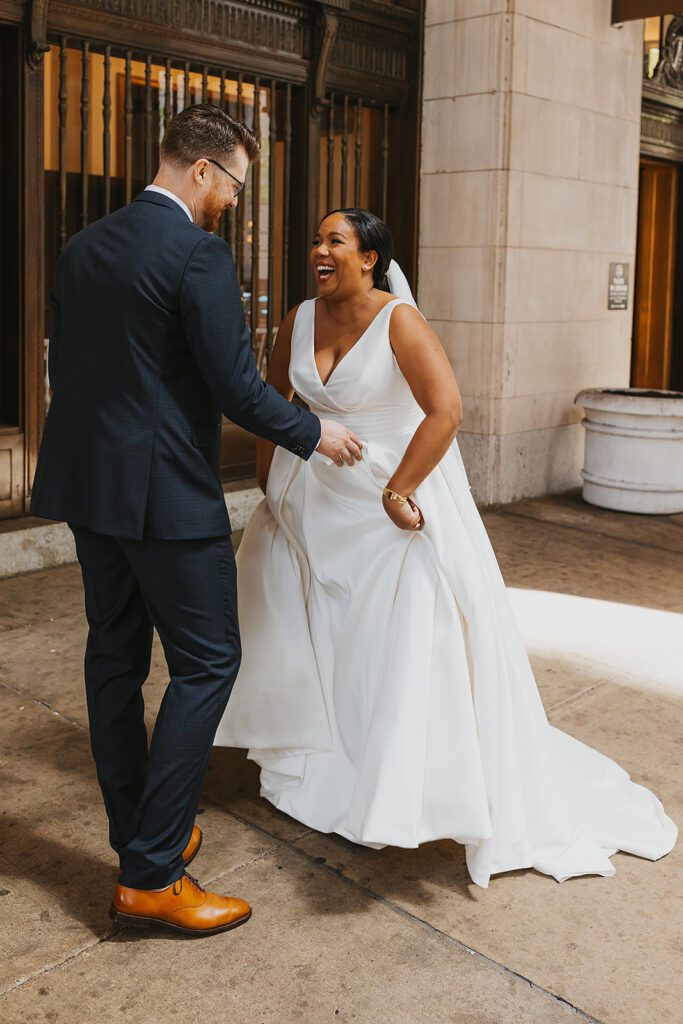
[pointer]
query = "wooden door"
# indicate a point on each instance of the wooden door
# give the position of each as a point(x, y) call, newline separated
point(655, 275)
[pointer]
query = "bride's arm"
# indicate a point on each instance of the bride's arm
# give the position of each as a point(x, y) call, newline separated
point(425, 366)
point(278, 376)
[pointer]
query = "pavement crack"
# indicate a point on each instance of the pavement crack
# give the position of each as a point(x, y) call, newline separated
point(451, 940)
point(43, 703)
point(243, 864)
point(252, 824)
point(292, 844)
point(574, 697)
point(73, 954)
point(589, 533)
point(9, 628)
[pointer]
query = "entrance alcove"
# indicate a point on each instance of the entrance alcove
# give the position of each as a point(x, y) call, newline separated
point(86, 91)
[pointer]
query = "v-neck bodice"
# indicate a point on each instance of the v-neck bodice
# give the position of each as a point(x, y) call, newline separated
point(366, 388)
point(359, 340)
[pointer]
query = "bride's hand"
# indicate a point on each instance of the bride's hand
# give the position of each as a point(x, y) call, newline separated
point(404, 514)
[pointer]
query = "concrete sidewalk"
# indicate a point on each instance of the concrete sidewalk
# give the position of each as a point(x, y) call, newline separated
point(341, 933)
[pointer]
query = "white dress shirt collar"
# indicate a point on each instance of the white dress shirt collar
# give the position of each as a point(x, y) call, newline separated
point(170, 195)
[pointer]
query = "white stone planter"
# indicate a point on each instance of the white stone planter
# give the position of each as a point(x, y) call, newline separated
point(634, 449)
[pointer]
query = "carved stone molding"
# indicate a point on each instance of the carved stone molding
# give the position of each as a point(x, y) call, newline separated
point(37, 41)
point(366, 38)
point(380, 8)
point(274, 26)
point(326, 29)
point(661, 131)
point(662, 135)
point(382, 53)
point(669, 70)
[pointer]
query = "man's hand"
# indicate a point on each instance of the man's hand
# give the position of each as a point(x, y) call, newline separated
point(339, 443)
point(404, 514)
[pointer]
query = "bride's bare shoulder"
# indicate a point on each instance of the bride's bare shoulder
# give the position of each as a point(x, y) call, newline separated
point(408, 329)
point(405, 314)
point(290, 316)
point(287, 323)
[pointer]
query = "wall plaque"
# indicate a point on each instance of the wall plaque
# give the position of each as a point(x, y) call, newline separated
point(617, 292)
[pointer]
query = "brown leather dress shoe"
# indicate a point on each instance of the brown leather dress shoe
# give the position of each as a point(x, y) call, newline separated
point(183, 906)
point(194, 845)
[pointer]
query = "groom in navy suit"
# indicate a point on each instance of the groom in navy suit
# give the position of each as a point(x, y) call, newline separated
point(148, 347)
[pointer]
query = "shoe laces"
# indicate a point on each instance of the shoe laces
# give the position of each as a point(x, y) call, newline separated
point(178, 886)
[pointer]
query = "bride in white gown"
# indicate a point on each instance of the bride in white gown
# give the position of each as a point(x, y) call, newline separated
point(384, 689)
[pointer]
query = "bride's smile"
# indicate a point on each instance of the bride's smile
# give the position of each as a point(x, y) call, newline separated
point(339, 264)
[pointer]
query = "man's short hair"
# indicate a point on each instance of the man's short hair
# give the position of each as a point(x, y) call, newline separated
point(204, 130)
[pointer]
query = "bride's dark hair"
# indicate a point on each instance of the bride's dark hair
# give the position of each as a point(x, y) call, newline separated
point(372, 233)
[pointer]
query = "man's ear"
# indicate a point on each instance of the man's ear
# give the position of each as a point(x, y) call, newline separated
point(199, 169)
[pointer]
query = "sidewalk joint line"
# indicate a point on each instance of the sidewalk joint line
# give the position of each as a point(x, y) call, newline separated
point(42, 703)
point(56, 964)
point(28, 626)
point(252, 824)
point(115, 930)
point(507, 511)
point(390, 905)
point(244, 864)
point(293, 845)
point(575, 696)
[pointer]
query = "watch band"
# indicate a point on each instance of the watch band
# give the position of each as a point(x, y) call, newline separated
point(393, 495)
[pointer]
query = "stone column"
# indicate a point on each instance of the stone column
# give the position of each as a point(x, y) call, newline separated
point(530, 153)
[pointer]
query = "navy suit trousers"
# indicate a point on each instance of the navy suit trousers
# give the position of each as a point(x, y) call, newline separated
point(186, 589)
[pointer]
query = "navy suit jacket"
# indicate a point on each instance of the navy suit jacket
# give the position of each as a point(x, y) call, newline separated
point(148, 347)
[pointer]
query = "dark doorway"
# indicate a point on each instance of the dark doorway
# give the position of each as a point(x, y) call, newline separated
point(11, 435)
point(86, 92)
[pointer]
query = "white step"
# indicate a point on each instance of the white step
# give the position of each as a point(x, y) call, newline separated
point(30, 544)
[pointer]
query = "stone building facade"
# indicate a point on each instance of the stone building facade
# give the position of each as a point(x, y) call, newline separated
point(529, 191)
point(514, 147)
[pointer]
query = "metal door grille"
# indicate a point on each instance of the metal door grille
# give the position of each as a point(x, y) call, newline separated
point(106, 110)
point(355, 155)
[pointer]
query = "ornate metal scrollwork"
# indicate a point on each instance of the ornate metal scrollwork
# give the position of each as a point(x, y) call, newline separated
point(37, 32)
point(669, 70)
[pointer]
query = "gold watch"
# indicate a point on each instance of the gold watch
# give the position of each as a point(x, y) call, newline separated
point(392, 495)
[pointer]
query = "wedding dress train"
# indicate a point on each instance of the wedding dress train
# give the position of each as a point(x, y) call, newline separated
point(385, 690)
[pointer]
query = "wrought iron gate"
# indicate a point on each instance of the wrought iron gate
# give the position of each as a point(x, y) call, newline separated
point(105, 114)
point(331, 87)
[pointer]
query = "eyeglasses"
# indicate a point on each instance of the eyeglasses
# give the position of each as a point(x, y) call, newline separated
point(237, 181)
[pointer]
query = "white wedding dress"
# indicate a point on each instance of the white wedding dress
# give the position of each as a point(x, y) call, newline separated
point(385, 690)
